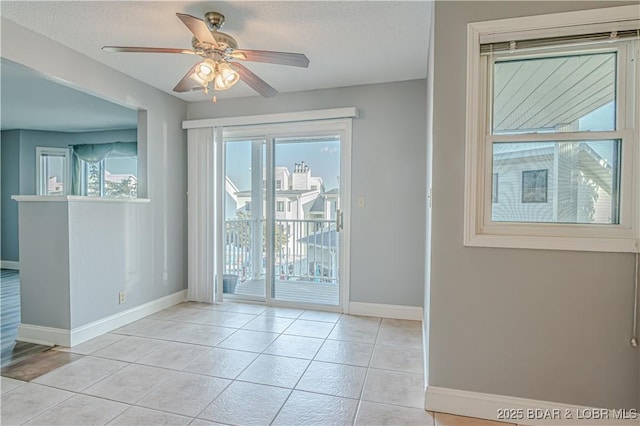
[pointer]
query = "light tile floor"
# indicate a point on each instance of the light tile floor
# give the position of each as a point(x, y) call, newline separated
point(235, 363)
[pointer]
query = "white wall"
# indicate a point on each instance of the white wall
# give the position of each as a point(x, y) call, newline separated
point(546, 325)
point(388, 168)
point(162, 157)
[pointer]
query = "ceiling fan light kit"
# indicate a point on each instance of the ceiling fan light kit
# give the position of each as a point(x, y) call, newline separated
point(219, 51)
point(225, 78)
point(205, 72)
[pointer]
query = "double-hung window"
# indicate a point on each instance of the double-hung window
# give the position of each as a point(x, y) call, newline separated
point(52, 171)
point(552, 146)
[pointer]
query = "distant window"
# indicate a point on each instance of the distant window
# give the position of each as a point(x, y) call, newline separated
point(280, 206)
point(314, 187)
point(247, 206)
point(278, 184)
point(112, 177)
point(52, 171)
point(534, 186)
point(288, 206)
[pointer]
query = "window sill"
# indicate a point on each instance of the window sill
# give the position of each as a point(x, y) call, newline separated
point(77, 199)
point(597, 244)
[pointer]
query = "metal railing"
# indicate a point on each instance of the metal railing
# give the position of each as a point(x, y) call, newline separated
point(305, 249)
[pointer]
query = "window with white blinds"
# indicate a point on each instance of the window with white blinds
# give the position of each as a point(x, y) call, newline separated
point(552, 140)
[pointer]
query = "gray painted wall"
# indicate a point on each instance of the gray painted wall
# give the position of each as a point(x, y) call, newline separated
point(30, 139)
point(388, 168)
point(10, 169)
point(44, 274)
point(548, 325)
point(23, 162)
point(162, 158)
point(121, 258)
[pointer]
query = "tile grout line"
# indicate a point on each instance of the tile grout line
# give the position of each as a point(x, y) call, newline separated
point(366, 376)
point(242, 371)
point(48, 409)
point(255, 316)
point(251, 363)
point(305, 370)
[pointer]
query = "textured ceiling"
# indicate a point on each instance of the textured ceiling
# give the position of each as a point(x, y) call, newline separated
point(348, 43)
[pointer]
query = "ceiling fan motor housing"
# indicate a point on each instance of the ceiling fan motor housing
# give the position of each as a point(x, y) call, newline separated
point(225, 41)
point(214, 20)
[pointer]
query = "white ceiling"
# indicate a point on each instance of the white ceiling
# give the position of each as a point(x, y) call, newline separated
point(347, 43)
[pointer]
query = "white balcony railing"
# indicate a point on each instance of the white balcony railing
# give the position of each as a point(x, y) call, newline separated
point(305, 250)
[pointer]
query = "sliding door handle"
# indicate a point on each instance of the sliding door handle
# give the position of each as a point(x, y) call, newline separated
point(339, 220)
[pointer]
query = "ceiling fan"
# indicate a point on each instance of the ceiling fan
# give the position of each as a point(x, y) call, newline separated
point(219, 50)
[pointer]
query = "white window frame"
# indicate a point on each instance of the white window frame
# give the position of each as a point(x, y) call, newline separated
point(41, 151)
point(85, 177)
point(479, 230)
point(102, 168)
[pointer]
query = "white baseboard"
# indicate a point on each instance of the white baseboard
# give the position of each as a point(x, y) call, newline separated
point(10, 264)
point(386, 311)
point(62, 337)
point(521, 411)
point(105, 325)
point(47, 336)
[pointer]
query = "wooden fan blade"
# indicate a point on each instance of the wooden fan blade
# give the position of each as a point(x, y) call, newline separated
point(187, 84)
point(253, 81)
point(199, 29)
point(282, 58)
point(126, 49)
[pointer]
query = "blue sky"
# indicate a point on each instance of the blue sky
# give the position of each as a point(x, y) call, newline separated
point(322, 156)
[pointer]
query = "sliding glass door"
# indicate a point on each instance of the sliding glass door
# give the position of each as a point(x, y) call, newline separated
point(282, 217)
point(305, 223)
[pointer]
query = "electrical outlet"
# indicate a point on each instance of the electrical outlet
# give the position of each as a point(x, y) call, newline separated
point(122, 297)
point(360, 201)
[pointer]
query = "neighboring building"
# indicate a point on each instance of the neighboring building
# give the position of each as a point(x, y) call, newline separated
point(54, 186)
point(304, 212)
point(298, 195)
point(117, 178)
point(231, 198)
point(542, 182)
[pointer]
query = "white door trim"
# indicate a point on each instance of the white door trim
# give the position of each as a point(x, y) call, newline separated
point(286, 117)
point(270, 131)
